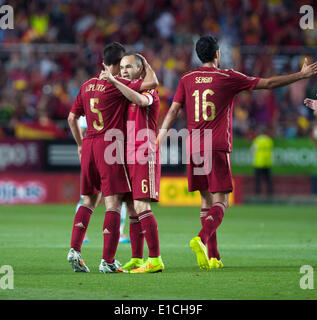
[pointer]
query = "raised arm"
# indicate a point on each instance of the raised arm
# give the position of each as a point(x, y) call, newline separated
point(307, 71)
point(133, 96)
point(150, 80)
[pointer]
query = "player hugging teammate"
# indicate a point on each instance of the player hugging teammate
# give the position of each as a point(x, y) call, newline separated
point(104, 99)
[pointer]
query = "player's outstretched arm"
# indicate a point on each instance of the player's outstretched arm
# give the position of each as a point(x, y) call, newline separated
point(75, 129)
point(307, 71)
point(133, 96)
point(168, 121)
point(150, 79)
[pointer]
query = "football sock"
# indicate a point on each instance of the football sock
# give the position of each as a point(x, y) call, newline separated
point(150, 231)
point(136, 237)
point(80, 225)
point(111, 235)
point(213, 220)
point(212, 241)
point(123, 215)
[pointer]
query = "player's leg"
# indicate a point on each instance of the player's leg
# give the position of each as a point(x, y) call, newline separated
point(199, 182)
point(220, 186)
point(114, 184)
point(136, 237)
point(80, 225)
point(123, 213)
point(111, 235)
point(79, 203)
point(206, 204)
point(214, 215)
point(150, 229)
point(212, 221)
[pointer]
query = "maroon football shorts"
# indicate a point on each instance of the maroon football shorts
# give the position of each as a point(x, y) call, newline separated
point(145, 180)
point(99, 176)
point(219, 179)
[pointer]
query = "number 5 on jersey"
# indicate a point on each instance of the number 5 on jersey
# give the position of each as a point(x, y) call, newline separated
point(205, 105)
point(99, 126)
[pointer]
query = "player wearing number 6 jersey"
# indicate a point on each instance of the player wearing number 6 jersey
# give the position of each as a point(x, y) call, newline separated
point(104, 106)
point(207, 94)
point(143, 167)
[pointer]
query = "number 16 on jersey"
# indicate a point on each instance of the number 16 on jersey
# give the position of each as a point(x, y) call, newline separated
point(206, 105)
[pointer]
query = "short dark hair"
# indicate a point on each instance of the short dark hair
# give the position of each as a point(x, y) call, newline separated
point(112, 53)
point(206, 48)
point(138, 59)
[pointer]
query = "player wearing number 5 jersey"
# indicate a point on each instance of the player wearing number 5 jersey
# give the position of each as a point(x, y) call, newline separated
point(207, 94)
point(104, 107)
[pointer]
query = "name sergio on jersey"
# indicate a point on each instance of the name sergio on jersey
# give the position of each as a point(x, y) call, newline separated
point(203, 79)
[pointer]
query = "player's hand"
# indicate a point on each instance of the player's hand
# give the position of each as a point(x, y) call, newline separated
point(106, 74)
point(309, 70)
point(312, 104)
point(145, 63)
point(79, 152)
point(159, 140)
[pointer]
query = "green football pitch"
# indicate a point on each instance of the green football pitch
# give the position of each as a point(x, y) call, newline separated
point(262, 248)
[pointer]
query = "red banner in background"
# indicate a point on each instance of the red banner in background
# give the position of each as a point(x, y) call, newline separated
point(18, 156)
point(39, 188)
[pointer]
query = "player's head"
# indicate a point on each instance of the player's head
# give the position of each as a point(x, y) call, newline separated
point(207, 49)
point(112, 54)
point(131, 66)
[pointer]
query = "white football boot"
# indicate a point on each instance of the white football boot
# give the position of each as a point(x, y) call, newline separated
point(114, 267)
point(76, 261)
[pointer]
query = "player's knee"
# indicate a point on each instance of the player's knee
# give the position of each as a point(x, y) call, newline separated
point(92, 201)
point(113, 203)
point(142, 205)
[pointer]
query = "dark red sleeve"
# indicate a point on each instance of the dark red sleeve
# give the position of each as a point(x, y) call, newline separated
point(239, 81)
point(133, 84)
point(78, 106)
point(180, 93)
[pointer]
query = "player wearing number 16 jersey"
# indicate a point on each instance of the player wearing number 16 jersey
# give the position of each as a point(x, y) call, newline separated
point(207, 94)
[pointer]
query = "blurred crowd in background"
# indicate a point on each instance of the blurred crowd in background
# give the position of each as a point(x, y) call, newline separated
point(56, 45)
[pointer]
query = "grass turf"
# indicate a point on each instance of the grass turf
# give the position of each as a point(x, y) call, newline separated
point(262, 248)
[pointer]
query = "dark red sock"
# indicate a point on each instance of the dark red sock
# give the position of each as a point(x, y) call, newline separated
point(212, 241)
point(213, 220)
point(80, 226)
point(136, 237)
point(111, 235)
point(150, 230)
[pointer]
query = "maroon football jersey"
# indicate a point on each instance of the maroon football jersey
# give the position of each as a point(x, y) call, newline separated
point(144, 118)
point(103, 105)
point(207, 94)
